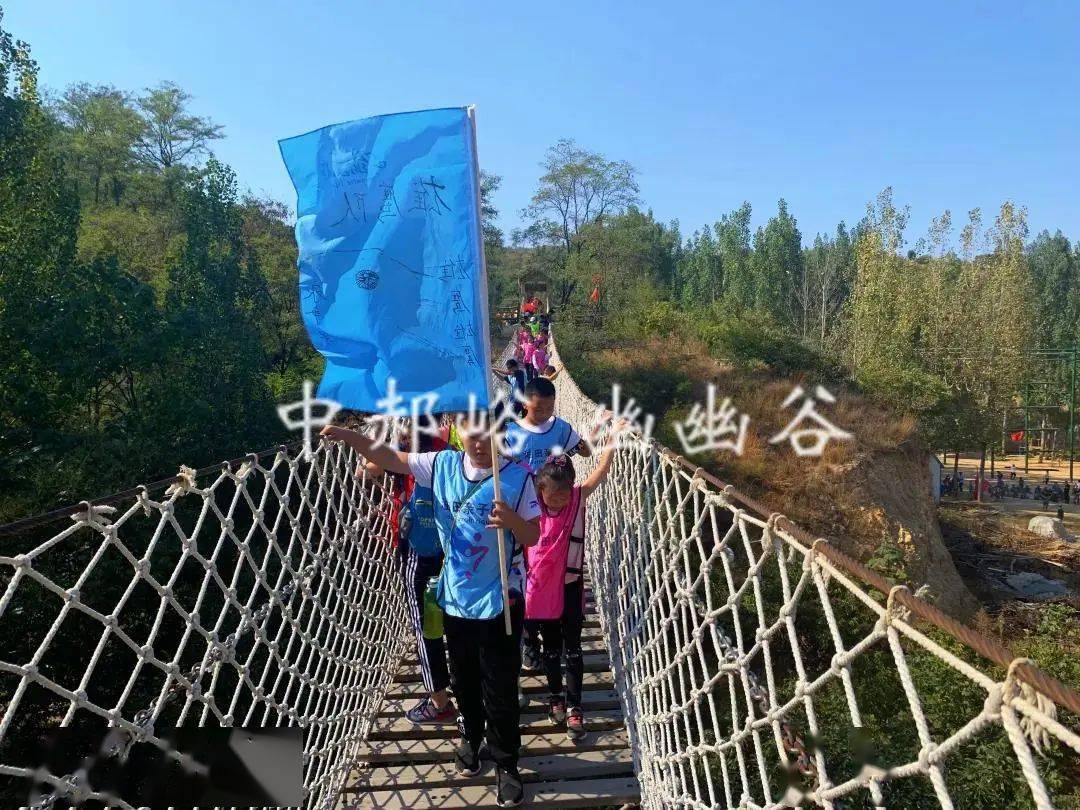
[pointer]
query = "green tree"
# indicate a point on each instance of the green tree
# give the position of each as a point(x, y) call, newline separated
point(578, 188)
point(270, 251)
point(1055, 276)
point(829, 272)
point(171, 134)
point(777, 265)
point(216, 360)
point(700, 271)
point(104, 127)
point(502, 280)
point(733, 242)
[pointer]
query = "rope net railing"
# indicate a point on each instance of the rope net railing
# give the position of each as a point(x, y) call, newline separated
point(260, 593)
point(759, 667)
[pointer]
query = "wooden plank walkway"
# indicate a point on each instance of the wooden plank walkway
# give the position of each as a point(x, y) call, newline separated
point(406, 767)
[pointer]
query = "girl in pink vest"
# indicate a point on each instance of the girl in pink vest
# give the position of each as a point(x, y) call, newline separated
point(523, 337)
point(527, 350)
point(554, 584)
point(539, 356)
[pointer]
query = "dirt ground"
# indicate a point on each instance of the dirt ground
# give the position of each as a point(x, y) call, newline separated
point(989, 542)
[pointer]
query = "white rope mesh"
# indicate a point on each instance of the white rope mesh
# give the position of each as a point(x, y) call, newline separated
point(746, 661)
point(266, 595)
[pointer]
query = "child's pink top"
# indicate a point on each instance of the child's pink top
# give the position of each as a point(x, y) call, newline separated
point(527, 352)
point(545, 577)
point(540, 357)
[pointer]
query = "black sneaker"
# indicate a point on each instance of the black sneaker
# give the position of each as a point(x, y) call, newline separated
point(531, 660)
point(466, 760)
point(509, 790)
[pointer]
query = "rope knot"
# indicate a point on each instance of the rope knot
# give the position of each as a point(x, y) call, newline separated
point(811, 557)
point(143, 498)
point(893, 611)
point(770, 524)
point(1016, 689)
point(184, 485)
point(95, 516)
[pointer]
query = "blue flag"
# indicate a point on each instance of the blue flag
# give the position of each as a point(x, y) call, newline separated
point(392, 282)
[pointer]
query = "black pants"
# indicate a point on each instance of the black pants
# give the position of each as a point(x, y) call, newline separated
point(484, 666)
point(418, 571)
point(531, 637)
point(564, 635)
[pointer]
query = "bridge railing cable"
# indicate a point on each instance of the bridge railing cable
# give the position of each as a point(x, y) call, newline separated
point(760, 667)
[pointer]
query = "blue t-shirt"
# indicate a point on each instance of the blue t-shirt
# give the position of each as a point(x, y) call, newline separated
point(517, 384)
point(534, 445)
point(470, 586)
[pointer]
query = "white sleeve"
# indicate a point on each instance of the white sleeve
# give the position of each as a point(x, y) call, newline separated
point(529, 505)
point(422, 467)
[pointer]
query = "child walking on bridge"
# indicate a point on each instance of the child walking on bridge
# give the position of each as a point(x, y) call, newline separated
point(484, 661)
point(420, 557)
point(555, 586)
point(532, 440)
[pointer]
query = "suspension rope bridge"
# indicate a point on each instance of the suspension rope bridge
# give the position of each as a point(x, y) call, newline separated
point(733, 660)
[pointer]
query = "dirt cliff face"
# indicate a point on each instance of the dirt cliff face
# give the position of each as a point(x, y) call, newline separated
point(898, 512)
point(868, 495)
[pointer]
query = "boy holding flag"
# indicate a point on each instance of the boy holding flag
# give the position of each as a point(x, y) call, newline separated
point(484, 660)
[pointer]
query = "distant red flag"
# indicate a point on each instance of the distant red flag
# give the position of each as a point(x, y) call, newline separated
point(1018, 436)
point(594, 296)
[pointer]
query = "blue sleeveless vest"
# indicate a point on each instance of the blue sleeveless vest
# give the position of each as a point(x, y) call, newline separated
point(533, 449)
point(470, 586)
point(423, 534)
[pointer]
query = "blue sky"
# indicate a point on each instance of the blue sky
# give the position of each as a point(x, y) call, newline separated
point(954, 104)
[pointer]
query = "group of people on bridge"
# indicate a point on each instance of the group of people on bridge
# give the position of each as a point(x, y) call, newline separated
point(446, 526)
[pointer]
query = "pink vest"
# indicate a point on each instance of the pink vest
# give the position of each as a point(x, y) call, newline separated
point(545, 576)
point(540, 358)
point(528, 352)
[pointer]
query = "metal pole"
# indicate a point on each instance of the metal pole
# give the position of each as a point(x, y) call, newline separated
point(1072, 408)
point(1027, 436)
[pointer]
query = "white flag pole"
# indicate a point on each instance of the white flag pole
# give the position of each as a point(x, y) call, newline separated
point(486, 338)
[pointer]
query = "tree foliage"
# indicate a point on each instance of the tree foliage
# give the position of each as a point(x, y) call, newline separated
point(147, 315)
point(578, 188)
point(171, 135)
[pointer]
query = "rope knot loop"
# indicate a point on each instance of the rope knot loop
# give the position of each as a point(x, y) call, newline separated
point(892, 610)
point(142, 497)
point(1016, 689)
point(95, 516)
point(184, 485)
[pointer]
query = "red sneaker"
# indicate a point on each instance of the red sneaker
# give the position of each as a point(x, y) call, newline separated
point(575, 725)
point(425, 712)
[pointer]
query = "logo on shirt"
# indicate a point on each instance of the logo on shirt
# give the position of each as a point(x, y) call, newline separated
point(467, 555)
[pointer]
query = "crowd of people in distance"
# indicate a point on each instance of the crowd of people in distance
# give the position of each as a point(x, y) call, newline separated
point(446, 523)
point(999, 487)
